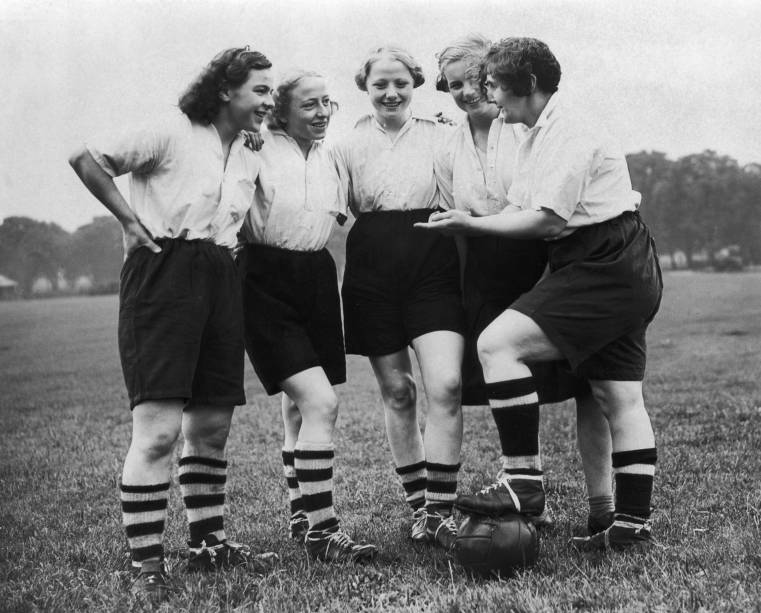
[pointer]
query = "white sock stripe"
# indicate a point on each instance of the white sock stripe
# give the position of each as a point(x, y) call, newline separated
point(202, 489)
point(313, 464)
point(636, 469)
point(131, 519)
point(506, 403)
point(418, 474)
point(138, 542)
point(201, 469)
point(514, 463)
point(143, 497)
point(310, 446)
point(320, 515)
point(518, 475)
point(203, 513)
point(315, 487)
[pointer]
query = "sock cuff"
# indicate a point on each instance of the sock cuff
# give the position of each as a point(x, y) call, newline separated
point(144, 489)
point(210, 462)
point(312, 446)
point(442, 468)
point(410, 468)
point(634, 456)
point(301, 455)
point(514, 388)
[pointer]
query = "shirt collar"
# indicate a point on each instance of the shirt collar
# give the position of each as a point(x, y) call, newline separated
point(548, 111)
point(284, 135)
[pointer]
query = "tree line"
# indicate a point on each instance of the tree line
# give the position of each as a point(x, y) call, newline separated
point(694, 205)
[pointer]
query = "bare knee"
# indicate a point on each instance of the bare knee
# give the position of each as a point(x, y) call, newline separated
point(400, 394)
point(322, 406)
point(444, 391)
point(154, 446)
point(491, 348)
point(618, 398)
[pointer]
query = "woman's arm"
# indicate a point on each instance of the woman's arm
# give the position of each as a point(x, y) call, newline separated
point(521, 224)
point(102, 186)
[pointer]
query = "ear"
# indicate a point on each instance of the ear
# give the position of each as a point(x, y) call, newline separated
point(224, 93)
point(532, 83)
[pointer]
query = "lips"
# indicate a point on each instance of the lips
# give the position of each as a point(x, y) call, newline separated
point(320, 125)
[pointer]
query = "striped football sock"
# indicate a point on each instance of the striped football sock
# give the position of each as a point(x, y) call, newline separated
point(202, 483)
point(143, 518)
point(314, 471)
point(441, 491)
point(634, 471)
point(415, 482)
point(515, 409)
point(294, 492)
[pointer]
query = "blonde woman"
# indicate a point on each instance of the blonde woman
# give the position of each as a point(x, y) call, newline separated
point(291, 304)
point(401, 286)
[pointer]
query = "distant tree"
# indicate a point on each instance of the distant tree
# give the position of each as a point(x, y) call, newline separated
point(651, 176)
point(31, 249)
point(97, 251)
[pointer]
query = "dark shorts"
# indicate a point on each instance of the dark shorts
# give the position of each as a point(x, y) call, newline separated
point(400, 282)
point(497, 272)
point(292, 314)
point(603, 290)
point(181, 324)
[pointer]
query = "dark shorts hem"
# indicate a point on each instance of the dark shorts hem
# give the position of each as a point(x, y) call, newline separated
point(378, 352)
point(273, 386)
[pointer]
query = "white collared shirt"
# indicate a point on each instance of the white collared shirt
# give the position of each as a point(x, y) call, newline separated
point(573, 167)
point(180, 186)
point(466, 185)
point(381, 174)
point(297, 199)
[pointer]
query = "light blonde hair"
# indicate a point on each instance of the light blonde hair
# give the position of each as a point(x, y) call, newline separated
point(395, 53)
point(471, 49)
point(283, 98)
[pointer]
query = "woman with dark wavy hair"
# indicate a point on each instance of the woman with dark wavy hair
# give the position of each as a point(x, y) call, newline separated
point(180, 317)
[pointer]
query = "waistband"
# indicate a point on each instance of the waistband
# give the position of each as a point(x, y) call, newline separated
point(280, 251)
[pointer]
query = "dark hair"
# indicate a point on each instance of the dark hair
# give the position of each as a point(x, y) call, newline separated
point(230, 68)
point(512, 61)
point(395, 53)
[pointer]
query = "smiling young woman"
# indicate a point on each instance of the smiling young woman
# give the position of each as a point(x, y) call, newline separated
point(291, 304)
point(401, 286)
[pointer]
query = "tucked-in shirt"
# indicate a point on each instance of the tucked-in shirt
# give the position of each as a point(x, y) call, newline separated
point(297, 199)
point(467, 185)
point(572, 166)
point(180, 186)
point(384, 174)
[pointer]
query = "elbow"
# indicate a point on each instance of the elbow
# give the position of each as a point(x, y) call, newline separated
point(554, 229)
point(75, 159)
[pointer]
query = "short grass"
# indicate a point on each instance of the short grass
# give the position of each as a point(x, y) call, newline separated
point(64, 428)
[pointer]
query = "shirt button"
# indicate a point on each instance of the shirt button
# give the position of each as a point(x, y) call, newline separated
point(234, 216)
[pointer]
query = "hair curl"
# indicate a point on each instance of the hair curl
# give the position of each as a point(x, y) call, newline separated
point(470, 49)
point(201, 101)
point(283, 97)
point(512, 61)
point(395, 53)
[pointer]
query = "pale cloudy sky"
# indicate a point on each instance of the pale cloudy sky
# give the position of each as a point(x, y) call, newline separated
point(672, 76)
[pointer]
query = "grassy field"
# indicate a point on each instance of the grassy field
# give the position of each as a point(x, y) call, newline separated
point(64, 429)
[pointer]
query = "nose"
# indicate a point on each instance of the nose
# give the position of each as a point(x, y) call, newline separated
point(391, 93)
point(468, 91)
point(269, 101)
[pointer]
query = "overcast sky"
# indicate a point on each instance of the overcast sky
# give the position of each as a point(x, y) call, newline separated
point(671, 76)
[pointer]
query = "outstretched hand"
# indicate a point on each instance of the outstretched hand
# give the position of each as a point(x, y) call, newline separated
point(449, 222)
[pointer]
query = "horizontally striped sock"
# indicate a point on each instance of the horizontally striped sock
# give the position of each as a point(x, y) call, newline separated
point(294, 492)
point(441, 490)
point(202, 483)
point(415, 482)
point(143, 518)
point(634, 471)
point(515, 409)
point(314, 471)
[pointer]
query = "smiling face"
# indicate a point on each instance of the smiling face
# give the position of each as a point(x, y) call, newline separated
point(462, 79)
point(249, 104)
point(308, 113)
point(514, 108)
point(390, 85)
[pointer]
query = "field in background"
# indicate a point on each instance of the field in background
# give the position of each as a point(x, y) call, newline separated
point(64, 429)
